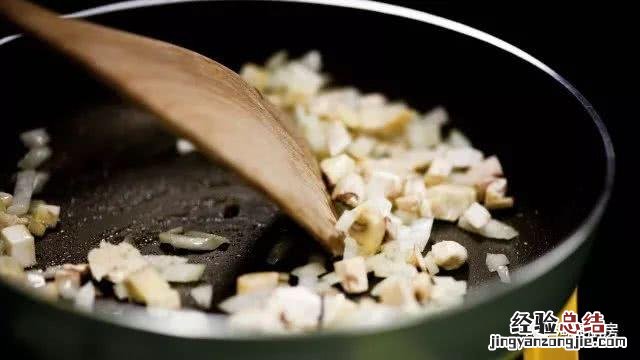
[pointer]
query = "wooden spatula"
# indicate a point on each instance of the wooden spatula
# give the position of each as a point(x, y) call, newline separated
point(202, 101)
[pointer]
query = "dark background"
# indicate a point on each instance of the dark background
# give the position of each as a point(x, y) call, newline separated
point(590, 44)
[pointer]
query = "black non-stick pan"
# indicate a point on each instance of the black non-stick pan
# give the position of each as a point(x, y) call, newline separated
point(117, 176)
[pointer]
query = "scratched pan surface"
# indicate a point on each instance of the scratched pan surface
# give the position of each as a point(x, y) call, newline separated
point(117, 176)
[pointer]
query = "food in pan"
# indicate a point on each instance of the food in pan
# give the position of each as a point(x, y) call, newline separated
point(392, 172)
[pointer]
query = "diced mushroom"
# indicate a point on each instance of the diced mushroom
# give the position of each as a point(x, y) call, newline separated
point(495, 195)
point(349, 190)
point(476, 215)
point(449, 255)
point(353, 274)
point(368, 228)
point(147, 286)
point(19, 244)
point(257, 281)
point(422, 287)
point(449, 201)
point(337, 167)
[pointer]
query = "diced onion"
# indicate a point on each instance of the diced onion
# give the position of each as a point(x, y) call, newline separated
point(35, 138)
point(193, 240)
point(496, 260)
point(241, 302)
point(202, 295)
point(35, 157)
point(182, 273)
point(40, 181)
point(85, 297)
point(22, 193)
point(503, 273)
point(184, 146)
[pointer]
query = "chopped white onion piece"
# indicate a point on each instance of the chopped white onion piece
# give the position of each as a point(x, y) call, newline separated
point(182, 273)
point(430, 263)
point(438, 172)
point(22, 193)
point(184, 146)
point(35, 279)
point(193, 241)
point(493, 229)
point(34, 158)
point(85, 297)
point(496, 260)
point(245, 301)
point(503, 273)
point(447, 291)
point(335, 308)
point(115, 262)
point(147, 286)
point(312, 60)
point(457, 139)
point(297, 307)
point(464, 157)
point(19, 244)
point(351, 248)
point(311, 269)
point(11, 269)
point(383, 184)
point(120, 291)
point(353, 274)
point(347, 219)
point(257, 281)
point(162, 261)
point(449, 201)
point(338, 138)
point(35, 138)
point(202, 295)
point(477, 215)
point(40, 181)
point(335, 168)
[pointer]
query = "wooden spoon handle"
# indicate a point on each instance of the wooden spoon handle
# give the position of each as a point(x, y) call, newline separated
point(201, 100)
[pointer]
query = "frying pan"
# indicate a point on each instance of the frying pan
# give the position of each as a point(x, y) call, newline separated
point(117, 176)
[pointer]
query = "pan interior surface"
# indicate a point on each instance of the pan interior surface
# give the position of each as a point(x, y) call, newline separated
point(117, 176)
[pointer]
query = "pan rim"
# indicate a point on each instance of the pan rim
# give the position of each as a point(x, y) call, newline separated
point(493, 290)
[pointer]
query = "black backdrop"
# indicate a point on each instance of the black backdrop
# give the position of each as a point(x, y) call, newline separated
point(592, 45)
